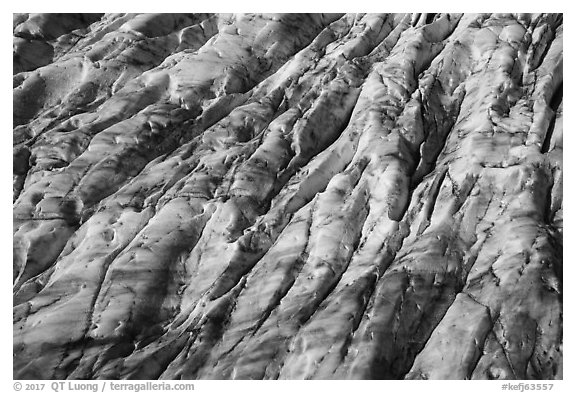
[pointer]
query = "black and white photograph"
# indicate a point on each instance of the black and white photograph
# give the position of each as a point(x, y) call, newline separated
point(287, 196)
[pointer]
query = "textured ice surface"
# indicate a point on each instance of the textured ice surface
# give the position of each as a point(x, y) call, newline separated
point(350, 196)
